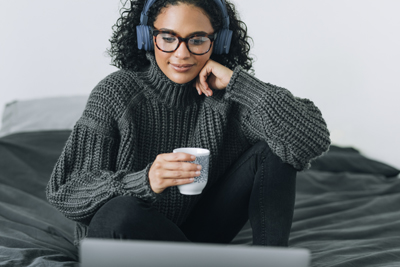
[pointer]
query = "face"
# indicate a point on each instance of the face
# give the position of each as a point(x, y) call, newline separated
point(181, 66)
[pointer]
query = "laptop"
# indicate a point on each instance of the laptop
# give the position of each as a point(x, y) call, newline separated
point(120, 253)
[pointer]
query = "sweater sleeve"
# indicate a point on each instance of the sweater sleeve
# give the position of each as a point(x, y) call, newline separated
point(292, 127)
point(86, 174)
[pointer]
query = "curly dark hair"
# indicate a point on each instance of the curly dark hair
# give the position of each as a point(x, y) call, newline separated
point(125, 54)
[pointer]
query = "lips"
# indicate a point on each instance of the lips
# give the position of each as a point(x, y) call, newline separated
point(181, 67)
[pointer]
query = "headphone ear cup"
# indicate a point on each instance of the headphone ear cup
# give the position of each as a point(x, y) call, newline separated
point(144, 39)
point(223, 42)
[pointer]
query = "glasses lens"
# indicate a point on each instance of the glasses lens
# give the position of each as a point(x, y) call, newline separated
point(199, 44)
point(167, 42)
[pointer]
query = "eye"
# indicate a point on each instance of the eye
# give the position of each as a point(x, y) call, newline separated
point(198, 40)
point(168, 38)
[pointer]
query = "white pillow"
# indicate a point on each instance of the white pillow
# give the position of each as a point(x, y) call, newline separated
point(55, 113)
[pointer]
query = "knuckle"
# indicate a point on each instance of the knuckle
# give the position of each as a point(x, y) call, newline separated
point(159, 182)
point(157, 165)
point(181, 166)
point(180, 181)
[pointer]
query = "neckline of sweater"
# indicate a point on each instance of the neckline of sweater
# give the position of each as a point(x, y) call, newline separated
point(159, 86)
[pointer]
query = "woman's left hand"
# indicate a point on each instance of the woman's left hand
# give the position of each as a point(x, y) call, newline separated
point(213, 75)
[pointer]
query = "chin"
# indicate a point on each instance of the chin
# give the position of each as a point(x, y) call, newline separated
point(181, 78)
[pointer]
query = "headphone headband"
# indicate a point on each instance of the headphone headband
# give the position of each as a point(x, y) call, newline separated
point(221, 4)
point(221, 44)
point(143, 15)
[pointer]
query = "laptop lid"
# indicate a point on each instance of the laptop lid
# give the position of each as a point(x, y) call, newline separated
point(108, 252)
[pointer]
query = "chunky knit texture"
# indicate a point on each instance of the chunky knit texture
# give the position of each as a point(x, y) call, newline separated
point(131, 117)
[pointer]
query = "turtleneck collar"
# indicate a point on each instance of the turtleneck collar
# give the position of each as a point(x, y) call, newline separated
point(159, 86)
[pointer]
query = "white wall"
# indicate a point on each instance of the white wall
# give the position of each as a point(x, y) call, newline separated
point(53, 48)
point(344, 55)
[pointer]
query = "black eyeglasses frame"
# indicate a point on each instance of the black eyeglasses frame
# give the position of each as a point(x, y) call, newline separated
point(212, 38)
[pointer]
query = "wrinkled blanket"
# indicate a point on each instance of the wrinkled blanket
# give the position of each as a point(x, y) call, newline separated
point(32, 232)
point(348, 217)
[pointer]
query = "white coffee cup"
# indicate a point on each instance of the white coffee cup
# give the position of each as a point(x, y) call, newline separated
point(202, 158)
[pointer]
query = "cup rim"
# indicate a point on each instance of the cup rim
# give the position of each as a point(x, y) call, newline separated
point(199, 151)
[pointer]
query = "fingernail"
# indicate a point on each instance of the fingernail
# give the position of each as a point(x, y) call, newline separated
point(199, 167)
point(198, 172)
point(193, 157)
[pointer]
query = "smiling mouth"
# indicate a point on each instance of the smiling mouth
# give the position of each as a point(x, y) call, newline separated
point(181, 67)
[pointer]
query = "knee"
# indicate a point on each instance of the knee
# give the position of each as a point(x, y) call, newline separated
point(267, 155)
point(263, 149)
point(261, 146)
point(124, 203)
point(116, 216)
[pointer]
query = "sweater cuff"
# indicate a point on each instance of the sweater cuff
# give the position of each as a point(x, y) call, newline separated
point(229, 87)
point(137, 184)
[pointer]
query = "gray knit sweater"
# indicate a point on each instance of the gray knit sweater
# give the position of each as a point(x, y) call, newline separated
point(131, 117)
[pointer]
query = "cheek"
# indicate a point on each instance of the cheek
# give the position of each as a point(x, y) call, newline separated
point(161, 59)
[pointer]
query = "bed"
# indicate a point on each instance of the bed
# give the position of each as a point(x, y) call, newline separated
point(347, 210)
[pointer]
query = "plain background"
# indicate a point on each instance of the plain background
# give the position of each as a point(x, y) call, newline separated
point(343, 55)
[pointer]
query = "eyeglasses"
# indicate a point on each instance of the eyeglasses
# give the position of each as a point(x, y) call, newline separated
point(197, 44)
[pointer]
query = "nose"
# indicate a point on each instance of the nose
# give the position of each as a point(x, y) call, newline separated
point(182, 51)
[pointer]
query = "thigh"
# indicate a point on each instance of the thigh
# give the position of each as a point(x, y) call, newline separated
point(223, 210)
point(127, 217)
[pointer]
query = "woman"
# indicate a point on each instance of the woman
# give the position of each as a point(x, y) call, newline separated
point(117, 176)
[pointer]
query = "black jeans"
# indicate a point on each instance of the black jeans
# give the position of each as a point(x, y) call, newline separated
point(259, 187)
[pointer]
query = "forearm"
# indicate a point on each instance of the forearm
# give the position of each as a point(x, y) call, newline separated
point(84, 177)
point(293, 127)
point(84, 193)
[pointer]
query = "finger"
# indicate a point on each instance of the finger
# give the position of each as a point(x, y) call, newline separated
point(161, 176)
point(160, 185)
point(195, 86)
point(179, 156)
point(172, 175)
point(199, 86)
point(175, 182)
point(184, 181)
point(218, 76)
point(203, 76)
point(181, 166)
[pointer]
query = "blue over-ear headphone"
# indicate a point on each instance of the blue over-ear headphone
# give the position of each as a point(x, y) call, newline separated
point(221, 44)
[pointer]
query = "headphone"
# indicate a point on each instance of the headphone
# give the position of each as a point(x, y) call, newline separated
point(221, 43)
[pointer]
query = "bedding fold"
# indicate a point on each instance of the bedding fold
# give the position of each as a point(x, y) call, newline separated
point(344, 218)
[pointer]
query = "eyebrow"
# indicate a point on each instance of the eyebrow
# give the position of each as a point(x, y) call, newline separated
point(190, 34)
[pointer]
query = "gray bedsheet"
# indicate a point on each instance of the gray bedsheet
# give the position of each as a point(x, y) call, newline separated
point(344, 218)
point(348, 219)
point(32, 232)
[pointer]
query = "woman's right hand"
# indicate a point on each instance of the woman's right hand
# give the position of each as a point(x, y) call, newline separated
point(172, 169)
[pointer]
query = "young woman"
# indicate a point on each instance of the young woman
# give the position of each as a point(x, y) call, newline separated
point(117, 175)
